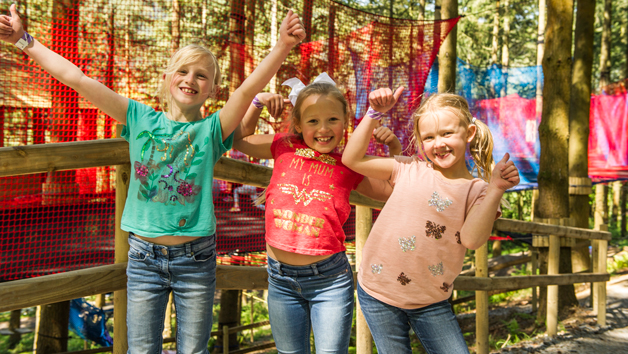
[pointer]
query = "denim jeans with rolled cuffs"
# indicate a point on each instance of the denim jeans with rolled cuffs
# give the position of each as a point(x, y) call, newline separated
point(435, 325)
point(189, 272)
point(318, 297)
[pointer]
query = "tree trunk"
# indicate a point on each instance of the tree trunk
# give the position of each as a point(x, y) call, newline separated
point(230, 309)
point(14, 326)
point(623, 201)
point(250, 36)
point(605, 52)
point(553, 176)
point(579, 108)
point(237, 39)
point(421, 10)
point(601, 205)
point(331, 38)
point(495, 42)
point(447, 55)
point(616, 193)
point(53, 328)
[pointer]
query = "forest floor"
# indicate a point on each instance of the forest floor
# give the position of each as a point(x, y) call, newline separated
point(579, 332)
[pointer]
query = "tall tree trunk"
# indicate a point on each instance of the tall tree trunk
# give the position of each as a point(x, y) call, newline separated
point(579, 108)
point(237, 39)
point(14, 326)
point(553, 176)
point(421, 10)
point(230, 311)
point(273, 39)
point(605, 54)
point(307, 24)
point(447, 54)
point(616, 193)
point(250, 36)
point(495, 42)
point(53, 328)
point(331, 38)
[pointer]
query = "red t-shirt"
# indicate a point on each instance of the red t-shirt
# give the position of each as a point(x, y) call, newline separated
point(307, 200)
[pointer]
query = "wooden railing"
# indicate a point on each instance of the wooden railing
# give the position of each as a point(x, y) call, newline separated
point(98, 280)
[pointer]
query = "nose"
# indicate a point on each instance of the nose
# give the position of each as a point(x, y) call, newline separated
point(439, 142)
point(324, 127)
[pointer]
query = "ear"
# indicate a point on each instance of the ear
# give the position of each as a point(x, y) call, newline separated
point(297, 127)
point(213, 92)
point(471, 131)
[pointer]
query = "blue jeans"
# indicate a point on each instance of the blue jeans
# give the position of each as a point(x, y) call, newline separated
point(316, 297)
point(153, 271)
point(435, 325)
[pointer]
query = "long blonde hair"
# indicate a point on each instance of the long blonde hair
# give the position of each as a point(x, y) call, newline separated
point(186, 55)
point(480, 148)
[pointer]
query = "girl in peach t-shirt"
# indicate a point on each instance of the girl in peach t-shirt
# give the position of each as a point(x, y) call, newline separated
point(436, 211)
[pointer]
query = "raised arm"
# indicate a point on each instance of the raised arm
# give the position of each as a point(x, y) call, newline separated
point(479, 222)
point(291, 33)
point(63, 70)
point(245, 139)
point(354, 156)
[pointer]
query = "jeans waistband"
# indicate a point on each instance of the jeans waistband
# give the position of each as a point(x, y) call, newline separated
point(187, 249)
point(335, 261)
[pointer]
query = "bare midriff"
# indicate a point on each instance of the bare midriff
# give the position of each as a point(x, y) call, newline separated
point(293, 258)
point(168, 240)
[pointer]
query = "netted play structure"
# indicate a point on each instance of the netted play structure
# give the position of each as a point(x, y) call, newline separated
point(64, 220)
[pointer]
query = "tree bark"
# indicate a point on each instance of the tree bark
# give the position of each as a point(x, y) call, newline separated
point(540, 49)
point(237, 38)
point(553, 181)
point(53, 328)
point(14, 326)
point(579, 108)
point(447, 54)
point(623, 201)
point(230, 309)
point(605, 54)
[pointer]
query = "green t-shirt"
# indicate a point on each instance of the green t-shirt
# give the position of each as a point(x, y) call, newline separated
point(170, 192)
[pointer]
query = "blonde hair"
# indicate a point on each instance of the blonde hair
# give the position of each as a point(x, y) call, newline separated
point(480, 148)
point(186, 55)
point(317, 88)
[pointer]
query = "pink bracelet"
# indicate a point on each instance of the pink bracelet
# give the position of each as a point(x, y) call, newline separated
point(375, 115)
point(257, 103)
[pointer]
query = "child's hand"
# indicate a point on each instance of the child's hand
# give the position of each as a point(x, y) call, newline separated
point(291, 31)
point(11, 29)
point(275, 103)
point(505, 174)
point(383, 135)
point(383, 99)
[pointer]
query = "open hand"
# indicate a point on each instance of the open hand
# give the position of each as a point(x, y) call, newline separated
point(11, 29)
point(383, 99)
point(275, 103)
point(505, 174)
point(291, 31)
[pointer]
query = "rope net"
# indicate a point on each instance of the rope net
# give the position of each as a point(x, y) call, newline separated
point(60, 221)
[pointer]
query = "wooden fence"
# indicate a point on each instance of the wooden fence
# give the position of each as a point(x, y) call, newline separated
point(99, 280)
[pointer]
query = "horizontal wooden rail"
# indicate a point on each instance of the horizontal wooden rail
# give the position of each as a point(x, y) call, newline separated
point(70, 285)
point(48, 289)
point(29, 159)
point(527, 281)
point(527, 227)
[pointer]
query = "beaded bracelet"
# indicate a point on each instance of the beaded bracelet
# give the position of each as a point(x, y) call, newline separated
point(257, 103)
point(24, 41)
point(375, 115)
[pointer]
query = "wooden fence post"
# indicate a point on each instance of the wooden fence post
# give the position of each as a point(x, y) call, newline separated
point(553, 263)
point(225, 339)
point(481, 302)
point(123, 176)
point(534, 258)
point(599, 305)
point(363, 224)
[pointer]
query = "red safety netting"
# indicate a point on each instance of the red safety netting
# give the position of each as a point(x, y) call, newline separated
point(61, 221)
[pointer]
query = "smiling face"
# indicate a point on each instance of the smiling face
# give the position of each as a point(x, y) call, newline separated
point(444, 138)
point(192, 83)
point(322, 122)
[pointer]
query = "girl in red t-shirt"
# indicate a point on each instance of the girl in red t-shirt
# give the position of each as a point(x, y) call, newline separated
point(307, 202)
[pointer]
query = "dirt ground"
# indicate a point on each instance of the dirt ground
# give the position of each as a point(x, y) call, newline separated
point(582, 335)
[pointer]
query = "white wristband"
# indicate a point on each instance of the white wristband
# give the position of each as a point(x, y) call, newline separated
point(24, 41)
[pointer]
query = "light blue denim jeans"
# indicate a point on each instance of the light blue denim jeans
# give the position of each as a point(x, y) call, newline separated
point(435, 325)
point(318, 297)
point(153, 271)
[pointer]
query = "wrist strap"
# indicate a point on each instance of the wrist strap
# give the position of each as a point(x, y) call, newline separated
point(375, 115)
point(24, 41)
point(257, 103)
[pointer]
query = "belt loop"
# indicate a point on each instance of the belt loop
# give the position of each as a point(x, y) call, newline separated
point(314, 268)
point(188, 249)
